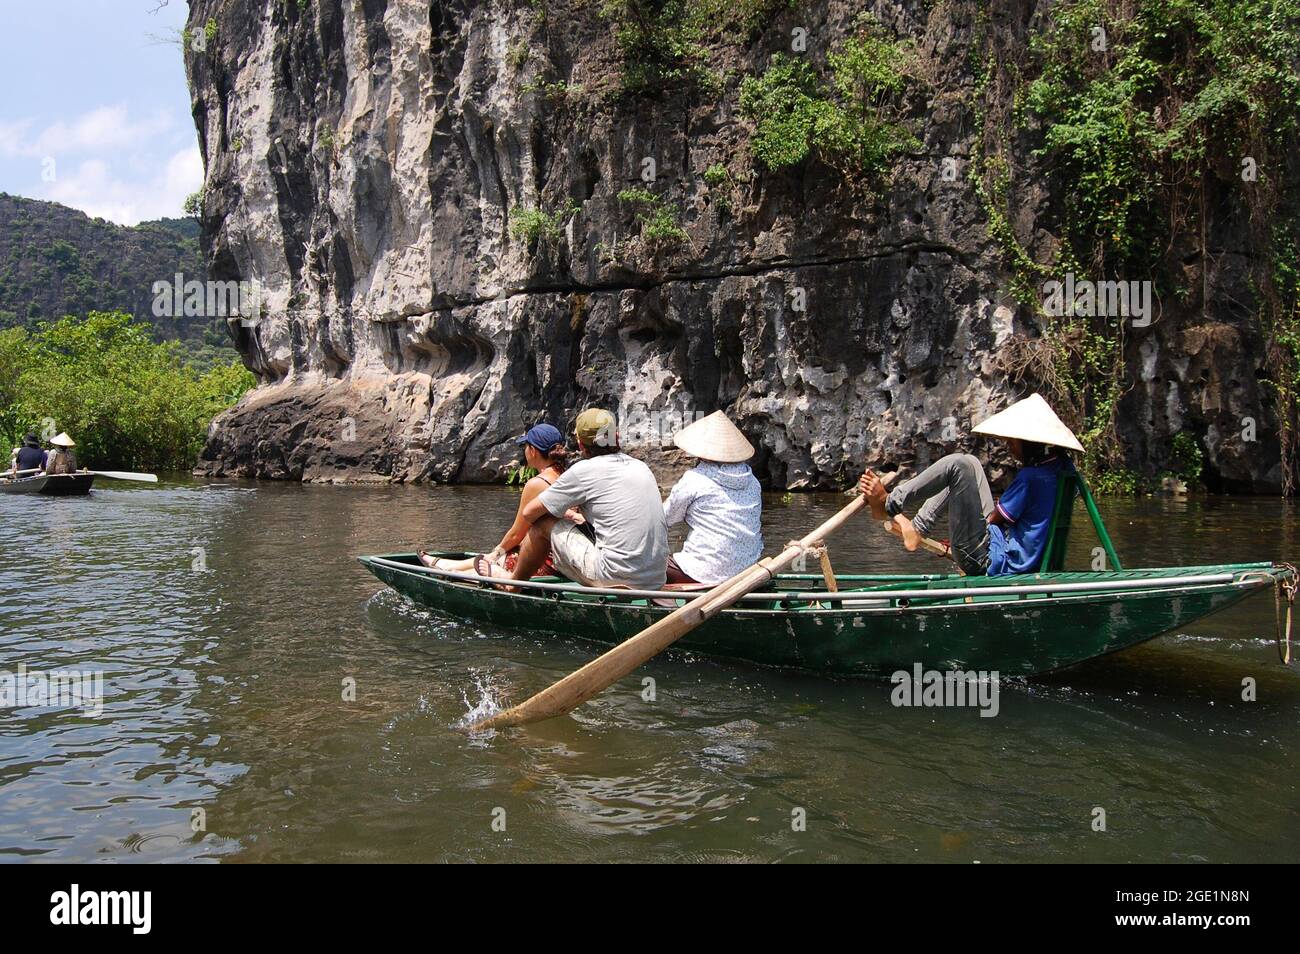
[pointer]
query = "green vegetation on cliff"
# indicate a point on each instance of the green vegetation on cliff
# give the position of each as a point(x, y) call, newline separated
point(1163, 121)
point(658, 221)
point(539, 225)
point(127, 401)
point(848, 120)
point(659, 41)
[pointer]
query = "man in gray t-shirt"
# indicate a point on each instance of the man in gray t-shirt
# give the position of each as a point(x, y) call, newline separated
point(618, 497)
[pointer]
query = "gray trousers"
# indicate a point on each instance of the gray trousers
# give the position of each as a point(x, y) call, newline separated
point(957, 484)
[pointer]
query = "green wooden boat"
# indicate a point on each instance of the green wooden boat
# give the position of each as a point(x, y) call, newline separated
point(874, 625)
point(878, 624)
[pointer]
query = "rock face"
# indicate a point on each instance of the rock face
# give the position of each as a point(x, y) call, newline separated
point(363, 160)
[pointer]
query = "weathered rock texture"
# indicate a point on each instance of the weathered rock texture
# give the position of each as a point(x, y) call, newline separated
point(363, 158)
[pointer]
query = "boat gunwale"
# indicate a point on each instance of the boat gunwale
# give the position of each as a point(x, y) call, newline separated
point(1244, 576)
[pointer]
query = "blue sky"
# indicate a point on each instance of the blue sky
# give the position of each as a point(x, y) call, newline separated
point(95, 113)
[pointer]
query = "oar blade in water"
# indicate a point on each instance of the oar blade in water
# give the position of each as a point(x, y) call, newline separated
point(126, 475)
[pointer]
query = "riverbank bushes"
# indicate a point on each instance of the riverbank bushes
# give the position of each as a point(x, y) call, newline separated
point(127, 400)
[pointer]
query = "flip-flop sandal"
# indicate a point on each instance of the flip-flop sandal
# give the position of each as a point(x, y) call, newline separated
point(483, 566)
point(433, 563)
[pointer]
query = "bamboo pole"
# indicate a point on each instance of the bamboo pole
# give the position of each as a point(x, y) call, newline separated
point(828, 571)
point(596, 676)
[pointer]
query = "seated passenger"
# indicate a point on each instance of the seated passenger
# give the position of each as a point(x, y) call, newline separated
point(624, 542)
point(996, 539)
point(719, 500)
point(29, 456)
point(545, 453)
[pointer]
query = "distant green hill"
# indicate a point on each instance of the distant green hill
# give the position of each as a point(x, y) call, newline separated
point(56, 261)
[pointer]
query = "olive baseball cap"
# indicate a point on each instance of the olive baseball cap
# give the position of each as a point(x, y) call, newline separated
point(596, 427)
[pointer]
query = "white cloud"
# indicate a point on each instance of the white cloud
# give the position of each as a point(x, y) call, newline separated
point(13, 138)
point(107, 163)
point(93, 187)
point(108, 127)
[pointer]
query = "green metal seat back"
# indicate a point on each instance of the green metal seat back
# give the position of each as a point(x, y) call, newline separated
point(1067, 488)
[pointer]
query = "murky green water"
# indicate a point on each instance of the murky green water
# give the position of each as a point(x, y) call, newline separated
point(226, 619)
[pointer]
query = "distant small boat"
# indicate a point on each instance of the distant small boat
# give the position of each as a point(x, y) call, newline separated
point(56, 485)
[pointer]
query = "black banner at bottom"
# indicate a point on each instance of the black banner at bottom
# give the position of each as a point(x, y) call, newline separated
point(139, 904)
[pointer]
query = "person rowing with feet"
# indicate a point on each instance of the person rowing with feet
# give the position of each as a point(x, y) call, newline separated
point(545, 453)
point(624, 541)
point(63, 459)
point(987, 538)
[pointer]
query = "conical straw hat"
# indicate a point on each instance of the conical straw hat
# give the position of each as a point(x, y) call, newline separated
point(63, 440)
point(1030, 420)
point(714, 438)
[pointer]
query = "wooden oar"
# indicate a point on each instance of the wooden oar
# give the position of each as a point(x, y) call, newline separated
point(126, 475)
point(593, 678)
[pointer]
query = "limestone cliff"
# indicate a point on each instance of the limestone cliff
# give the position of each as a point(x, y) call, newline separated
point(364, 158)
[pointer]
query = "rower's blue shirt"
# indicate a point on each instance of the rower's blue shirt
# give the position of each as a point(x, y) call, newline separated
point(1026, 505)
point(31, 458)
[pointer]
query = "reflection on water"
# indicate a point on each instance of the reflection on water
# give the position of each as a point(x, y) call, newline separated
point(267, 699)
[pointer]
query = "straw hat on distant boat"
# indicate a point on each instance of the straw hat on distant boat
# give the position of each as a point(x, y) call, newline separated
point(1030, 420)
point(714, 438)
point(63, 440)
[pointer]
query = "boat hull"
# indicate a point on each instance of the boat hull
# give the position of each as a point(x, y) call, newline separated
point(868, 632)
point(57, 485)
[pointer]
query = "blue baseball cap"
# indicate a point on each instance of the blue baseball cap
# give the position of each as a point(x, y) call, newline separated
point(543, 436)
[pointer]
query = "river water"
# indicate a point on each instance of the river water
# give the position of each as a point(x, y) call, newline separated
point(230, 619)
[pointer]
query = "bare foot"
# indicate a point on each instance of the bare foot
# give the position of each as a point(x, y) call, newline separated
point(871, 487)
point(906, 530)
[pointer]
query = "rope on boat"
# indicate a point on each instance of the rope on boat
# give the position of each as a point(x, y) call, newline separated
point(1285, 584)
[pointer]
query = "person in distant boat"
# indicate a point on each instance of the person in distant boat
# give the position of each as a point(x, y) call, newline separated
point(719, 500)
point(545, 453)
point(987, 538)
point(63, 459)
point(29, 456)
point(624, 541)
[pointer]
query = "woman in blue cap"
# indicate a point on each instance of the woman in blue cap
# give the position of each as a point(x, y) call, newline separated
point(544, 452)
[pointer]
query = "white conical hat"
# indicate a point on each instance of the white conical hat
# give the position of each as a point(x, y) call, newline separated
point(714, 438)
point(1030, 420)
point(63, 440)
